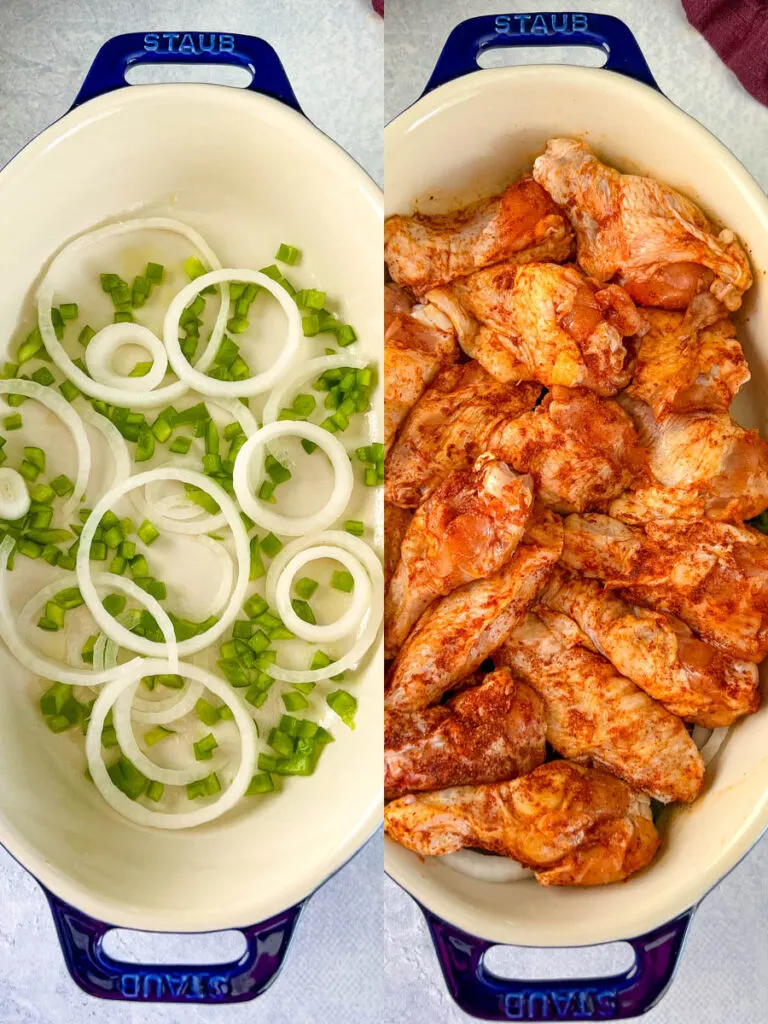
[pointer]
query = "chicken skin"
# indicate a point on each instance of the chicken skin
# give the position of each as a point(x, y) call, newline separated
point(456, 634)
point(700, 464)
point(558, 326)
point(597, 717)
point(572, 825)
point(520, 224)
point(640, 232)
point(682, 368)
point(489, 733)
point(580, 449)
point(659, 653)
point(416, 346)
point(448, 429)
point(466, 530)
point(396, 523)
point(712, 575)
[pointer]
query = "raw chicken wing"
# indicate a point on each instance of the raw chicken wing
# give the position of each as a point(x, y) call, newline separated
point(396, 523)
point(598, 717)
point(700, 464)
point(466, 530)
point(522, 223)
point(572, 825)
point(659, 653)
point(558, 326)
point(679, 368)
point(640, 232)
point(448, 428)
point(488, 733)
point(713, 575)
point(416, 347)
point(581, 449)
point(455, 635)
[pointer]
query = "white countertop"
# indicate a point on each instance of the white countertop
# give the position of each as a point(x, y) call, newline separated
point(332, 973)
point(723, 975)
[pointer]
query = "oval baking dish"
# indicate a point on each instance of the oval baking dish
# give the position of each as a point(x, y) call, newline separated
point(470, 134)
point(240, 165)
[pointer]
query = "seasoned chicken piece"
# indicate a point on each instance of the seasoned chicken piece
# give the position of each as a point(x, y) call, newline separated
point(448, 428)
point(459, 632)
point(600, 718)
point(572, 825)
point(659, 653)
point(580, 449)
point(700, 463)
point(397, 300)
point(417, 345)
point(642, 233)
point(557, 325)
point(679, 368)
point(396, 523)
point(488, 733)
point(713, 575)
point(520, 224)
point(466, 530)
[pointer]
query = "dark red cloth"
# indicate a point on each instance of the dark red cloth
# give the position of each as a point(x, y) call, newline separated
point(378, 6)
point(738, 31)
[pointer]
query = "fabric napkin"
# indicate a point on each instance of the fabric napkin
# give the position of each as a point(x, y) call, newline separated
point(738, 31)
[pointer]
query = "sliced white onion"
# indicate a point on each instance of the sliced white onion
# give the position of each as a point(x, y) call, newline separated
point(109, 340)
point(119, 633)
point(49, 668)
point(345, 624)
point(709, 741)
point(220, 598)
point(130, 747)
point(117, 445)
point(199, 522)
point(369, 632)
point(135, 400)
point(137, 812)
point(60, 407)
point(159, 712)
point(486, 867)
point(14, 495)
point(282, 395)
point(192, 375)
point(235, 408)
point(99, 652)
point(293, 526)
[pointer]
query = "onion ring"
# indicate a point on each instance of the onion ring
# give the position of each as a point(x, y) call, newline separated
point(105, 621)
point(103, 345)
point(47, 667)
point(60, 407)
point(117, 446)
point(294, 526)
point(14, 495)
point(370, 630)
point(349, 621)
point(57, 352)
point(136, 812)
point(197, 522)
point(192, 375)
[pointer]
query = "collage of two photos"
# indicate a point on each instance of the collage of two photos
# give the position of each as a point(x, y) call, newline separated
point(383, 650)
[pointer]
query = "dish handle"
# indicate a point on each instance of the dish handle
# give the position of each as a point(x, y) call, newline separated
point(617, 997)
point(120, 53)
point(98, 974)
point(566, 28)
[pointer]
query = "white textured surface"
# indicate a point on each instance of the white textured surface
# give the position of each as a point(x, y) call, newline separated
point(332, 972)
point(724, 970)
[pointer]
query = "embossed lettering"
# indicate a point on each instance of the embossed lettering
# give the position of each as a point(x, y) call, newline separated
point(218, 986)
point(502, 23)
point(579, 22)
point(171, 37)
point(153, 986)
point(129, 985)
point(514, 1005)
point(209, 47)
point(227, 44)
point(151, 42)
point(561, 1002)
point(187, 44)
point(562, 26)
point(177, 984)
point(539, 26)
point(606, 1003)
point(522, 22)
